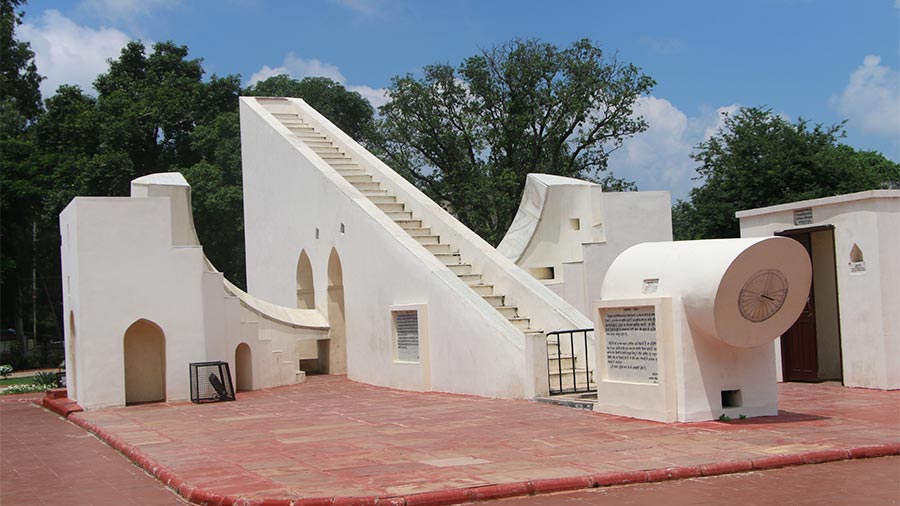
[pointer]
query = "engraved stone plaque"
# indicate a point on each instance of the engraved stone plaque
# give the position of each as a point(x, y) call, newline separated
point(630, 335)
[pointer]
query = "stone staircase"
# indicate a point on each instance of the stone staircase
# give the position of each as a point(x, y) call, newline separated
point(565, 372)
point(396, 210)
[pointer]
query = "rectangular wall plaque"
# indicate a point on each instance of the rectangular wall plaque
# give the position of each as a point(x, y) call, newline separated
point(803, 216)
point(406, 325)
point(630, 335)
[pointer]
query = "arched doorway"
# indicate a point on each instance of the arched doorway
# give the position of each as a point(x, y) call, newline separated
point(70, 358)
point(243, 367)
point(145, 363)
point(306, 295)
point(336, 352)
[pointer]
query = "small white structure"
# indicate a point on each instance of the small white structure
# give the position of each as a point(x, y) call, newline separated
point(850, 330)
point(567, 232)
point(685, 328)
point(142, 302)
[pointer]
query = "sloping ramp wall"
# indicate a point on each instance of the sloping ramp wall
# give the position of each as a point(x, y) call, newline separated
point(294, 201)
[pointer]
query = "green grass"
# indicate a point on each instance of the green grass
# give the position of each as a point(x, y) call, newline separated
point(16, 381)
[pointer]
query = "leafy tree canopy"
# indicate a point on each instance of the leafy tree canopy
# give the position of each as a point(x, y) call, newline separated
point(468, 136)
point(19, 80)
point(759, 159)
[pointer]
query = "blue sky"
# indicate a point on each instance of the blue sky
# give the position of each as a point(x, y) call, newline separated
point(821, 60)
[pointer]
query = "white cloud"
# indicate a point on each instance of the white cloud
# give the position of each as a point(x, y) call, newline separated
point(298, 68)
point(376, 96)
point(871, 100)
point(664, 46)
point(659, 158)
point(124, 10)
point(364, 7)
point(67, 53)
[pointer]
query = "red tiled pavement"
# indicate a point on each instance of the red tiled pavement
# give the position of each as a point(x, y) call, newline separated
point(46, 460)
point(867, 482)
point(334, 437)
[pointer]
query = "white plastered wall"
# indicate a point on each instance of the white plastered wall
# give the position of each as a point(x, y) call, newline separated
point(119, 266)
point(868, 301)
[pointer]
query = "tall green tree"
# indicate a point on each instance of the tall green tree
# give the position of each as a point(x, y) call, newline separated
point(20, 103)
point(21, 181)
point(759, 159)
point(467, 136)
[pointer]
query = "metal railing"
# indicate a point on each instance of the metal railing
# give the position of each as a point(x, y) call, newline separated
point(570, 377)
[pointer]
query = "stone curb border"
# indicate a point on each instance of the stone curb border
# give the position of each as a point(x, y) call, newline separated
point(487, 492)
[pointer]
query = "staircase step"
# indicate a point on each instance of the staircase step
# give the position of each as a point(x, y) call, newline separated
point(460, 268)
point(482, 289)
point(580, 401)
point(449, 258)
point(399, 215)
point(336, 155)
point(408, 224)
point(342, 162)
point(366, 185)
point(319, 143)
point(307, 135)
point(378, 192)
point(508, 311)
point(418, 231)
point(560, 362)
point(391, 207)
point(439, 248)
point(570, 380)
point(351, 171)
point(361, 178)
point(311, 138)
point(472, 279)
point(520, 323)
point(382, 199)
point(494, 300)
point(428, 239)
point(321, 148)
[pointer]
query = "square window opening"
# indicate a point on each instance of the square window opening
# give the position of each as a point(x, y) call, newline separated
point(731, 399)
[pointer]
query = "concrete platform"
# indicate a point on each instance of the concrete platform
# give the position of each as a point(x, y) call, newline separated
point(332, 439)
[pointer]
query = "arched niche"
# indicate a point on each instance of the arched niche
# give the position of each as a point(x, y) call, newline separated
point(145, 363)
point(335, 355)
point(243, 367)
point(306, 295)
point(70, 357)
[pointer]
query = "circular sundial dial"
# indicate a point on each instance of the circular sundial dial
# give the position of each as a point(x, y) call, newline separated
point(763, 295)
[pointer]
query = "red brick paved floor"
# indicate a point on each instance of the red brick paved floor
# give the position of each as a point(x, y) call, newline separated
point(46, 460)
point(868, 482)
point(335, 437)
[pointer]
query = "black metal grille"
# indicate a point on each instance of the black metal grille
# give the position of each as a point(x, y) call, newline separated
point(566, 375)
point(211, 382)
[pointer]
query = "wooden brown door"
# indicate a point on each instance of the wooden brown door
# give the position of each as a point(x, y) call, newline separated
point(799, 350)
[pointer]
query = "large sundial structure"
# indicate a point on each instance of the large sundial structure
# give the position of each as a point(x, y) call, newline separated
point(763, 295)
point(712, 310)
